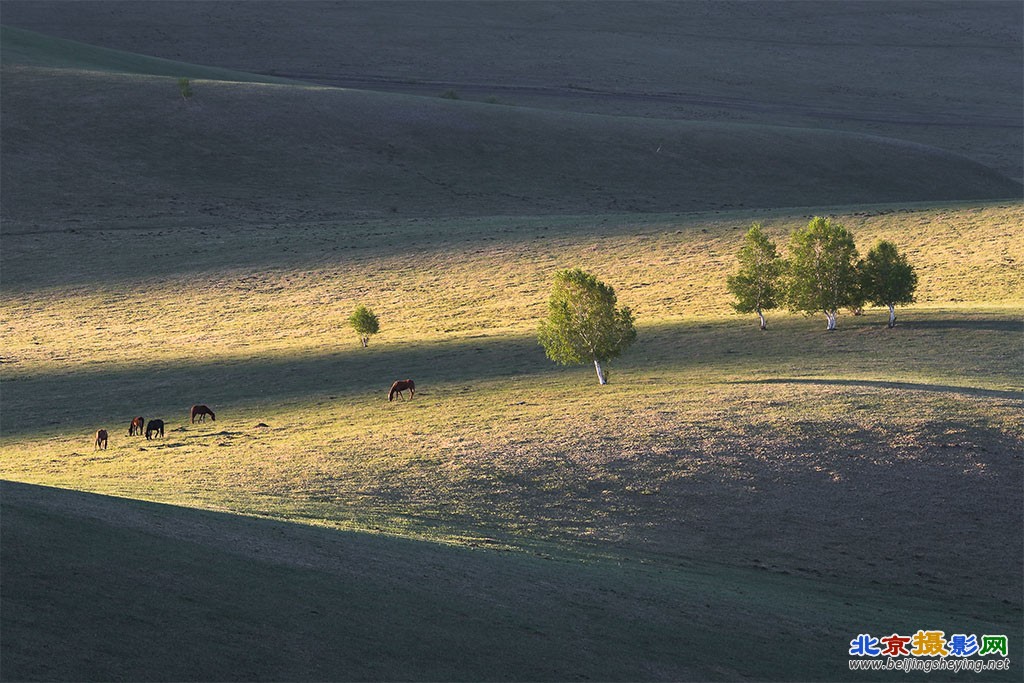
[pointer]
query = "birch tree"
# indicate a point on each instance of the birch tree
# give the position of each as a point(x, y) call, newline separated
point(583, 323)
point(365, 323)
point(756, 285)
point(821, 274)
point(887, 278)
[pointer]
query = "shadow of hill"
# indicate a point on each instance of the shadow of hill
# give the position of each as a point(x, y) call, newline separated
point(957, 87)
point(68, 399)
point(39, 256)
point(130, 149)
point(100, 588)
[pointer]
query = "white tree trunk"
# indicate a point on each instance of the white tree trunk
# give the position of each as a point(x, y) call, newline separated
point(764, 323)
point(600, 372)
point(892, 315)
point(831, 315)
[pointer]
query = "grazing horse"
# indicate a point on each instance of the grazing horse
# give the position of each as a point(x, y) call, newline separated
point(400, 386)
point(101, 439)
point(135, 428)
point(154, 427)
point(201, 412)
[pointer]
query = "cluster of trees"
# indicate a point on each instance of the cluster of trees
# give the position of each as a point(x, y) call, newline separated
point(822, 273)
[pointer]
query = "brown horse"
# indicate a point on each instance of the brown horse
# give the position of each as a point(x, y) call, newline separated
point(201, 412)
point(400, 386)
point(135, 428)
point(154, 427)
point(101, 439)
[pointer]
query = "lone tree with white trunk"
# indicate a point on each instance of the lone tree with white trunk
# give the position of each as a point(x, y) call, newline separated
point(365, 323)
point(756, 286)
point(583, 324)
point(822, 269)
point(887, 278)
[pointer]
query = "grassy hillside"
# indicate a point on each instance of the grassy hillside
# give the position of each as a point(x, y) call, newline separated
point(115, 151)
point(734, 504)
point(941, 74)
point(781, 453)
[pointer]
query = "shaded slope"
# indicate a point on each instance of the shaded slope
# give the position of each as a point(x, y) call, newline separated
point(121, 149)
point(35, 49)
point(99, 588)
point(940, 73)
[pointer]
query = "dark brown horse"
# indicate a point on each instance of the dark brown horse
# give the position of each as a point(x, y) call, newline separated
point(400, 386)
point(135, 428)
point(101, 439)
point(154, 427)
point(201, 412)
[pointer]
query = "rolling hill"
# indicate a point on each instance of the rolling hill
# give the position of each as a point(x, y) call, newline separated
point(253, 599)
point(734, 504)
point(81, 144)
point(945, 75)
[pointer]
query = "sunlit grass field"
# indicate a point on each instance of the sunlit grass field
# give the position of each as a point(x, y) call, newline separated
point(708, 424)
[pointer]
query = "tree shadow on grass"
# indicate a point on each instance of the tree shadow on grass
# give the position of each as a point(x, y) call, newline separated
point(910, 386)
point(966, 323)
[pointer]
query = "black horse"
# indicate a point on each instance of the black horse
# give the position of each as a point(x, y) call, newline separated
point(154, 427)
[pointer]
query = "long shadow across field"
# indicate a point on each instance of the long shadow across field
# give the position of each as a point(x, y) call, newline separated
point(729, 351)
point(82, 256)
point(99, 588)
point(912, 386)
point(49, 402)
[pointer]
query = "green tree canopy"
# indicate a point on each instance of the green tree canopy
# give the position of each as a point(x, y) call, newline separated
point(821, 271)
point(583, 325)
point(887, 278)
point(365, 323)
point(756, 285)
